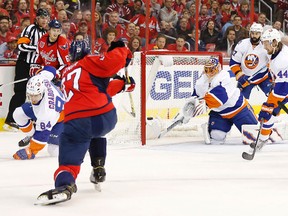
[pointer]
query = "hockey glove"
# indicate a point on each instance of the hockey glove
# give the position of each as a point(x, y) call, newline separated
point(115, 44)
point(129, 83)
point(242, 80)
point(266, 112)
point(24, 154)
point(34, 69)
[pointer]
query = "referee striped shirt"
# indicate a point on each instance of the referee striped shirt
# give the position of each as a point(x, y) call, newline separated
point(28, 41)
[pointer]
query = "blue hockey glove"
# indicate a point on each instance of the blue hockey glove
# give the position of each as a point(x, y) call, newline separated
point(266, 112)
point(24, 154)
point(242, 80)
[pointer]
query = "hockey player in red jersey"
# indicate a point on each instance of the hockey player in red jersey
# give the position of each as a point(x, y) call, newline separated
point(52, 50)
point(89, 115)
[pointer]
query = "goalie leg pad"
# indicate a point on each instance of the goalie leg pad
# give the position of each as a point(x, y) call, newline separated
point(217, 137)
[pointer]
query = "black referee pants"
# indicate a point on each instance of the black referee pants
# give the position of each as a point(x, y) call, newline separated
point(21, 71)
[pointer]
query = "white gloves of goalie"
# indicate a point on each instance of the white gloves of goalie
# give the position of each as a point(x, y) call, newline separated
point(193, 107)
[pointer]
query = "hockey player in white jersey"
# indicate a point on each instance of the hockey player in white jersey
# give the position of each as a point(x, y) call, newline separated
point(42, 116)
point(271, 39)
point(227, 104)
point(249, 63)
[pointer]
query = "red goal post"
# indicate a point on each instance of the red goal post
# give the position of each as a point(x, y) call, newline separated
point(161, 89)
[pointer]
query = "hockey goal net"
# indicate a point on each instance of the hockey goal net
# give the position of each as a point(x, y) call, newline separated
point(163, 80)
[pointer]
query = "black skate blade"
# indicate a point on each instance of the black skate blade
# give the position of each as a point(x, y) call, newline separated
point(247, 156)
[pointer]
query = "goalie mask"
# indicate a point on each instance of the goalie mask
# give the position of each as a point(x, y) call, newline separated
point(211, 67)
point(35, 89)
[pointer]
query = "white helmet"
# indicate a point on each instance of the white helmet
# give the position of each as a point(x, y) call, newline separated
point(270, 35)
point(35, 86)
point(256, 27)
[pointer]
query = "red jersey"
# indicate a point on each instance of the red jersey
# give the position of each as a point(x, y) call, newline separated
point(85, 83)
point(54, 54)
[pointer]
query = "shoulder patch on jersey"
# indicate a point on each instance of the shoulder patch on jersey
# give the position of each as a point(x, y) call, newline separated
point(41, 44)
point(64, 47)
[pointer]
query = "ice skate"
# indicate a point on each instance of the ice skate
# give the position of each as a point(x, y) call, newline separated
point(57, 195)
point(11, 126)
point(24, 142)
point(259, 146)
point(98, 175)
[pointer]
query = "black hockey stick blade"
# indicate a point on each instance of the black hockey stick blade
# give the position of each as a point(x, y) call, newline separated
point(247, 156)
point(282, 106)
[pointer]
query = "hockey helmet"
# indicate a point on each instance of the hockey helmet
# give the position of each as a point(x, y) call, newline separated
point(211, 67)
point(35, 85)
point(270, 35)
point(78, 50)
point(42, 12)
point(55, 24)
point(256, 27)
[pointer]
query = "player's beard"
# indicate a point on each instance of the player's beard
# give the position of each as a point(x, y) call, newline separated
point(254, 40)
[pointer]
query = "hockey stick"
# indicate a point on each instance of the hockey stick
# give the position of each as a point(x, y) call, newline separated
point(282, 106)
point(174, 124)
point(13, 82)
point(248, 156)
point(133, 113)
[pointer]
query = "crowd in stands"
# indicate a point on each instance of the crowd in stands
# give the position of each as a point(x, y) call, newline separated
point(222, 23)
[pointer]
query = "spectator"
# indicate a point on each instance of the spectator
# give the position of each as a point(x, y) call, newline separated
point(83, 29)
point(192, 39)
point(22, 11)
point(8, 6)
point(179, 6)
point(204, 17)
point(210, 36)
point(75, 19)
point(136, 8)
point(49, 8)
point(130, 32)
point(98, 24)
point(156, 8)
point(179, 45)
point(277, 25)
point(228, 23)
point(227, 44)
point(66, 31)
point(241, 32)
point(102, 44)
point(226, 12)
point(154, 28)
point(114, 22)
point(166, 29)
point(281, 7)
point(262, 20)
point(235, 5)
point(159, 44)
point(59, 6)
point(134, 44)
point(42, 4)
point(24, 23)
point(245, 13)
point(182, 28)
point(123, 11)
point(62, 15)
point(168, 14)
point(8, 50)
point(4, 29)
point(192, 13)
point(78, 37)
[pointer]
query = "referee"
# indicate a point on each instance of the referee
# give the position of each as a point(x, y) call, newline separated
point(27, 44)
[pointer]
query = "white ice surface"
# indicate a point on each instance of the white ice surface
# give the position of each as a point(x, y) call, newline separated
point(172, 178)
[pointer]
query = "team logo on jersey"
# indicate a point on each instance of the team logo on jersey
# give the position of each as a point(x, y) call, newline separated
point(64, 47)
point(42, 44)
point(251, 61)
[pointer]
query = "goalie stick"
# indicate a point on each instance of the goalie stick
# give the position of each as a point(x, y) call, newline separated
point(174, 124)
point(13, 82)
point(248, 156)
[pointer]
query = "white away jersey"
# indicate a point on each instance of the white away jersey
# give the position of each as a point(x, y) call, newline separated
point(252, 60)
point(50, 107)
point(221, 94)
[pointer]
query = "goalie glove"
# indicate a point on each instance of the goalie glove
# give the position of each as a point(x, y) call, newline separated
point(193, 107)
point(34, 69)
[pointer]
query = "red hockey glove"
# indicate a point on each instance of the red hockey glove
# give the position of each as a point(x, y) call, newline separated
point(266, 111)
point(129, 83)
point(34, 69)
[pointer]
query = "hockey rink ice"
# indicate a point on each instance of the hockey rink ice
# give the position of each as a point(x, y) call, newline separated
point(170, 177)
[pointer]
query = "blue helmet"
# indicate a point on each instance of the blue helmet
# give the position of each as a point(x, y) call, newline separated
point(55, 24)
point(78, 50)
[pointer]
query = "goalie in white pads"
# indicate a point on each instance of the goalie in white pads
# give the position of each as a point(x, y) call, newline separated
point(226, 103)
point(41, 117)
